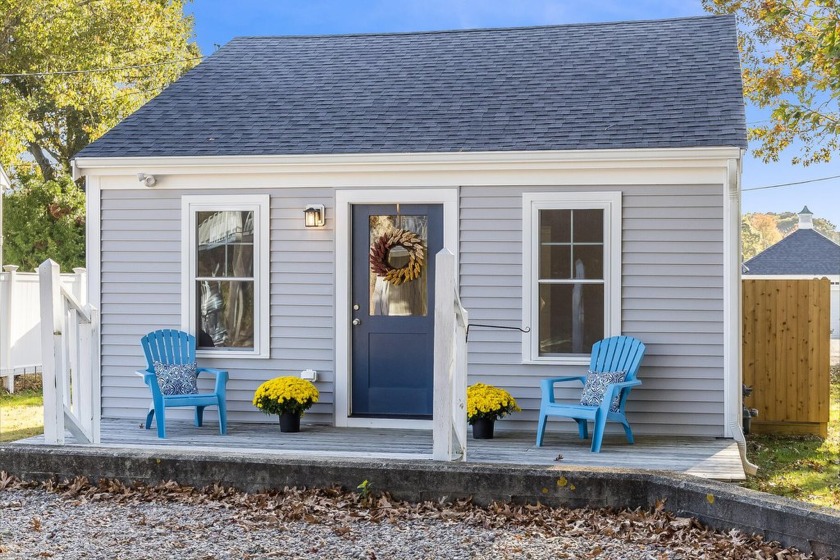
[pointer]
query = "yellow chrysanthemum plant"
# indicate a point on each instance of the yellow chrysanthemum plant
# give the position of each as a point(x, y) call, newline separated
point(289, 394)
point(488, 402)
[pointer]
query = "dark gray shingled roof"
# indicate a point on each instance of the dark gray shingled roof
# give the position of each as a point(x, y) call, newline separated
point(804, 251)
point(646, 84)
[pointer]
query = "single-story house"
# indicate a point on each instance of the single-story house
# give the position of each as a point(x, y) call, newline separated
point(586, 178)
point(802, 255)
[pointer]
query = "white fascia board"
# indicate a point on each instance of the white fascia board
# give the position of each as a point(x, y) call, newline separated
point(439, 161)
point(5, 183)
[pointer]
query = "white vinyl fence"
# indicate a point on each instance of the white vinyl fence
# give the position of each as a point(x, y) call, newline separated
point(20, 319)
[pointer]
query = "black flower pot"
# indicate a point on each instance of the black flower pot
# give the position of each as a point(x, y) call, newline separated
point(289, 422)
point(482, 428)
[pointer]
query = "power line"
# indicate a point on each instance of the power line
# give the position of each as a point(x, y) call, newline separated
point(789, 184)
point(97, 70)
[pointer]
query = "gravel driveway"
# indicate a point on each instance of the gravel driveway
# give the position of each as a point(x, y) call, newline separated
point(77, 520)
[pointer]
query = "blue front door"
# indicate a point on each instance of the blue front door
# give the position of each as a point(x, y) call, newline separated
point(393, 309)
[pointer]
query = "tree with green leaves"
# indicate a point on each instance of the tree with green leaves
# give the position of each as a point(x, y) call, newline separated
point(751, 242)
point(44, 219)
point(790, 52)
point(72, 69)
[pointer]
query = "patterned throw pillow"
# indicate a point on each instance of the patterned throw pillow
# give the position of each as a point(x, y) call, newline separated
point(596, 386)
point(176, 379)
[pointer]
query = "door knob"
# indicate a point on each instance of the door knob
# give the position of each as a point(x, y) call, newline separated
point(357, 322)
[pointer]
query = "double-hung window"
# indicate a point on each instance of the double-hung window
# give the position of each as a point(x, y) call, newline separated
point(571, 273)
point(225, 274)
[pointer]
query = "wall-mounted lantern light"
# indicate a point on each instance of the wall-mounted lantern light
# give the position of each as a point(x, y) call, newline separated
point(146, 179)
point(314, 215)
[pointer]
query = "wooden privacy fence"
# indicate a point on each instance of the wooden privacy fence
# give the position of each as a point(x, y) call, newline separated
point(786, 354)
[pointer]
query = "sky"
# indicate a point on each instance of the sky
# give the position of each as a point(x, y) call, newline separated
point(218, 21)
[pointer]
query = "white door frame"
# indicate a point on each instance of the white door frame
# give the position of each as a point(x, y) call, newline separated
point(344, 200)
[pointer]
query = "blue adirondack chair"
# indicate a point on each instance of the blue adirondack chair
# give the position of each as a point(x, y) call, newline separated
point(177, 347)
point(618, 353)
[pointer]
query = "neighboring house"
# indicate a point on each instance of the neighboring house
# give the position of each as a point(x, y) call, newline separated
point(586, 177)
point(804, 254)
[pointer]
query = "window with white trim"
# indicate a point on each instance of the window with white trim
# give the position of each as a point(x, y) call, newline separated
point(571, 273)
point(225, 256)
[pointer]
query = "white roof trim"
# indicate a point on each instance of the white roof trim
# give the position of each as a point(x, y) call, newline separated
point(678, 157)
point(4, 179)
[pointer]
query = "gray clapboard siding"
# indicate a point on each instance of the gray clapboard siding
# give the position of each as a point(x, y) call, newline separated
point(141, 291)
point(678, 236)
point(640, 293)
point(687, 304)
point(672, 294)
point(666, 258)
point(672, 266)
point(681, 248)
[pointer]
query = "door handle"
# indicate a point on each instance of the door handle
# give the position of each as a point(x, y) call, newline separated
point(357, 322)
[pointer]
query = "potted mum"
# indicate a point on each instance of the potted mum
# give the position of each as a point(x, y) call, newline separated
point(485, 404)
point(288, 397)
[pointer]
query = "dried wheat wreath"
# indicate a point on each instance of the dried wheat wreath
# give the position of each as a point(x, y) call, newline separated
point(379, 256)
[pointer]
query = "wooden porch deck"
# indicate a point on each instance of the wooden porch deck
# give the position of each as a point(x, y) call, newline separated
point(705, 457)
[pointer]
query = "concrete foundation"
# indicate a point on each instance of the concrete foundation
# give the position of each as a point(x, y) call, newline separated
point(719, 505)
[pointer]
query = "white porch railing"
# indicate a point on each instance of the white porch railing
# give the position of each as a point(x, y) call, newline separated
point(449, 431)
point(70, 354)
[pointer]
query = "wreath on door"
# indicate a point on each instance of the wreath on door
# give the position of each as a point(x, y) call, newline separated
point(387, 242)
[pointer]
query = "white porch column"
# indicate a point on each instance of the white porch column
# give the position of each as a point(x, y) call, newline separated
point(444, 355)
point(51, 314)
point(449, 421)
point(80, 291)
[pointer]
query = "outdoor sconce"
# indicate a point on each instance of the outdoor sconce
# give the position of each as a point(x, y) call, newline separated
point(314, 215)
point(146, 179)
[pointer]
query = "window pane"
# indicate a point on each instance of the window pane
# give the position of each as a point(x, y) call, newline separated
point(555, 262)
point(555, 226)
point(408, 298)
point(225, 244)
point(588, 226)
point(225, 313)
point(211, 261)
point(589, 262)
point(571, 318)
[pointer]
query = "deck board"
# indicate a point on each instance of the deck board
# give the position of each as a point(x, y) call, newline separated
point(713, 458)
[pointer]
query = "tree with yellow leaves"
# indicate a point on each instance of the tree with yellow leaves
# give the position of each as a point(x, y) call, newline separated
point(790, 51)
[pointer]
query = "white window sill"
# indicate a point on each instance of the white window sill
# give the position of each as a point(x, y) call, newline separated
point(558, 361)
point(216, 354)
